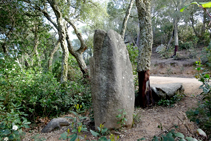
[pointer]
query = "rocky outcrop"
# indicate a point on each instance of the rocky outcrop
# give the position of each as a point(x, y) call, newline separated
point(112, 83)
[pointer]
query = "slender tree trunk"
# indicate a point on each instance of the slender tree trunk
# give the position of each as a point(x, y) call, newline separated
point(56, 47)
point(36, 43)
point(4, 48)
point(168, 45)
point(145, 50)
point(62, 39)
point(4, 45)
point(176, 39)
point(127, 15)
point(204, 22)
point(138, 37)
point(192, 24)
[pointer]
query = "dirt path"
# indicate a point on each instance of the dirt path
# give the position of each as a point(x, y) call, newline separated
point(165, 116)
point(152, 117)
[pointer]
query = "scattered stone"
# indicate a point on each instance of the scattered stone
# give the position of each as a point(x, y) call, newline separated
point(167, 90)
point(55, 123)
point(160, 48)
point(112, 82)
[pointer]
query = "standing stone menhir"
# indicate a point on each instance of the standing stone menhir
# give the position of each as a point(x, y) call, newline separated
point(111, 80)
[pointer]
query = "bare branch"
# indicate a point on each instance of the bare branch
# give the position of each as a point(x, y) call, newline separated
point(83, 45)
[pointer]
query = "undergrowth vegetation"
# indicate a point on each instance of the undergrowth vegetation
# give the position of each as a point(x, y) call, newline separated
point(170, 102)
point(202, 114)
point(26, 94)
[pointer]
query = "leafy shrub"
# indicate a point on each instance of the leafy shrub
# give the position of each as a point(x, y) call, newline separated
point(185, 45)
point(74, 72)
point(133, 54)
point(170, 102)
point(11, 123)
point(202, 114)
point(172, 136)
point(206, 57)
point(38, 93)
point(27, 94)
point(167, 53)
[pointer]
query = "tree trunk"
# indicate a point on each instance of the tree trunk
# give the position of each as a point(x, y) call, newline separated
point(4, 48)
point(36, 42)
point(204, 22)
point(176, 39)
point(127, 15)
point(145, 49)
point(145, 97)
point(192, 24)
point(62, 39)
point(138, 38)
point(167, 47)
point(56, 47)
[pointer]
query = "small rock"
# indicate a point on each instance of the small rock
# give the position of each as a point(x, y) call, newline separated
point(55, 123)
point(167, 90)
point(160, 48)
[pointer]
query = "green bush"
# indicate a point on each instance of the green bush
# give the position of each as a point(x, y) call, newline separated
point(38, 93)
point(185, 45)
point(206, 57)
point(202, 114)
point(170, 102)
point(133, 54)
point(74, 72)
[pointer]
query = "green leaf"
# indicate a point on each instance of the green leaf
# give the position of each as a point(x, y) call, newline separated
point(98, 128)
point(155, 138)
point(141, 139)
point(102, 139)
point(205, 4)
point(199, 68)
point(119, 116)
point(74, 137)
point(207, 75)
point(5, 132)
point(181, 10)
point(179, 135)
point(95, 134)
point(74, 130)
point(189, 138)
point(64, 136)
point(104, 130)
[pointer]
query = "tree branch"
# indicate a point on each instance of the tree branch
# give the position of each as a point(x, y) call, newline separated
point(124, 24)
point(83, 45)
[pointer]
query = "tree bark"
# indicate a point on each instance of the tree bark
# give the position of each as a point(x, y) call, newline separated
point(192, 24)
point(138, 37)
point(62, 39)
point(204, 22)
point(176, 39)
point(145, 97)
point(4, 45)
point(56, 47)
point(127, 15)
point(36, 42)
point(145, 48)
point(168, 45)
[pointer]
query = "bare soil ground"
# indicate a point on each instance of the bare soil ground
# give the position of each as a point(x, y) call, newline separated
point(181, 71)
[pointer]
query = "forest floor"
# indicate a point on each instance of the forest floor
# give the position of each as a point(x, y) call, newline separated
point(162, 71)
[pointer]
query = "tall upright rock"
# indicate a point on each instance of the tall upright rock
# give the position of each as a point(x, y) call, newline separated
point(112, 82)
